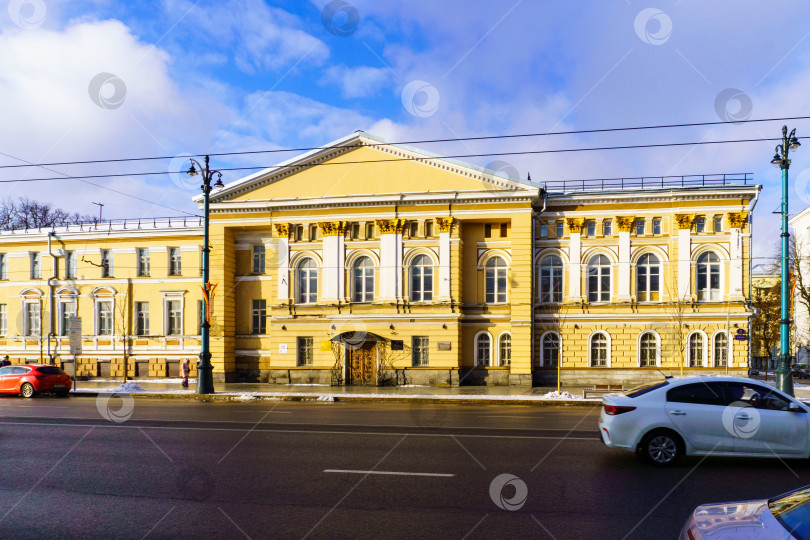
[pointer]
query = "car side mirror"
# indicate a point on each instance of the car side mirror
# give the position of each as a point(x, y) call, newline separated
point(795, 407)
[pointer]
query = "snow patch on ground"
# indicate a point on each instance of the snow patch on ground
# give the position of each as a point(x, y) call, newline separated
point(326, 398)
point(246, 397)
point(128, 387)
point(563, 395)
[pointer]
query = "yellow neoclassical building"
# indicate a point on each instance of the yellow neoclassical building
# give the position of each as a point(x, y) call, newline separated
point(373, 263)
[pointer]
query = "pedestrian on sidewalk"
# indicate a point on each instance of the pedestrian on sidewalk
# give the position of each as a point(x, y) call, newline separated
point(5, 361)
point(185, 369)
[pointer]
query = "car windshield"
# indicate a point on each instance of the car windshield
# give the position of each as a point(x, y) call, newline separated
point(793, 512)
point(50, 370)
point(642, 389)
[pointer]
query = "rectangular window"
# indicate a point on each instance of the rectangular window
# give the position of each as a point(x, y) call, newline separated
point(640, 226)
point(428, 229)
point(607, 227)
point(369, 231)
point(718, 223)
point(259, 317)
point(560, 229)
point(3, 266)
point(355, 234)
point(700, 224)
point(258, 259)
point(304, 351)
point(143, 262)
point(543, 230)
point(420, 347)
point(487, 230)
point(141, 318)
point(313, 233)
point(175, 318)
point(299, 233)
point(105, 319)
point(591, 228)
point(106, 263)
point(66, 311)
point(3, 319)
point(32, 319)
point(36, 265)
point(657, 226)
point(504, 227)
point(413, 229)
point(174, 261)
point(70, 265)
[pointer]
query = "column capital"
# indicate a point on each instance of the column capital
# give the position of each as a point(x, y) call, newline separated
point(575, 224)
point(736, 220)
point(332, 228)
point(445, 224)
point(684, 220)
point(282, 229)
point(391, 226)
point(625, 223)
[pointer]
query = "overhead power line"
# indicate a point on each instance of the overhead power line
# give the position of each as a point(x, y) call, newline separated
point(421, 141)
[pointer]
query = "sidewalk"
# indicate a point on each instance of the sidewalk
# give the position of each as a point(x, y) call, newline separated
point(571, 395)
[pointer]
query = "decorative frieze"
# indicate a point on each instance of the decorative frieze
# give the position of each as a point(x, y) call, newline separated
point(333, 228)
point(391, 226)
point(736, 220)
point(684, 220)
point(445, 224)
point(625, 223)
point(575, 224)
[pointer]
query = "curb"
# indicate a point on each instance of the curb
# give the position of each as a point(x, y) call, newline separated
point(332, 398)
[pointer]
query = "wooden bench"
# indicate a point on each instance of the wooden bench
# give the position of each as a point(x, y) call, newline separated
point(601, 389)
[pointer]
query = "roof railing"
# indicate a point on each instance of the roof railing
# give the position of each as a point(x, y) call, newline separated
point(648, 182)
point(109, 225)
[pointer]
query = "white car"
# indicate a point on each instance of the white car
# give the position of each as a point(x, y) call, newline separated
point(718, 415)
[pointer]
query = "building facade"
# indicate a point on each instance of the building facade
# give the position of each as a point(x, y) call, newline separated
point(373, 263)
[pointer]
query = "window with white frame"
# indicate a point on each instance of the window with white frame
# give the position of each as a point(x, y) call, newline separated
point(720, 350)
point(640, 223)
point(708, 277)
point(68, 308)
point(648, 350)
point(420, 350)
point(143, 262)
point(495, 280)
point(560, 229)
point(505, 350)
point(590, 227)
point(696, 350)
point(3, 319)
point(421, 270)
point(304, 351)
point(718, 223)
point(363, 280)
point(3, 266)
point(599, 350)
point(70, 265)
point(32, 310)
point(36, 265)
point(657, 226)
point(543, 230)
point(483, 350)
point(648, 278)
point(607, 227)
point(369, 231)
point(104, 317)
point(141, 318)
point(174, 317)
point(307, 282)
point(428, 229)
point(551, 349)
point(258, 259)
point(599, 279)
point(258, 315)
point(700, 224)
point(175, 268)
point(551, 279)
point(106, 263)
point(354, 233)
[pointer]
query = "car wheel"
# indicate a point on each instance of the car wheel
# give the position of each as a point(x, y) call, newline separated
point(661, 448)
point(27, 390)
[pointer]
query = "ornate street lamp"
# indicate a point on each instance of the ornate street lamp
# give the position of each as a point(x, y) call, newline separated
point(784, 382)
point(205, 378)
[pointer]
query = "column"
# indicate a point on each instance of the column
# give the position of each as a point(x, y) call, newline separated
point(445, 225)
point(736, 221)
point(333, 254)
point(625, 225)
point(390, 259)
point(574, 257)
point(684, 222)
point(283, 258)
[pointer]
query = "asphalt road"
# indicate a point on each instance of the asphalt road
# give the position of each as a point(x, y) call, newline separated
point(83, 468)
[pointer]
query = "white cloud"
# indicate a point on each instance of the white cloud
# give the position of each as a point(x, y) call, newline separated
point(357, 82)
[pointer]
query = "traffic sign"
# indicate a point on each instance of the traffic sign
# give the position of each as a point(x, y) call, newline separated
point(75, 335)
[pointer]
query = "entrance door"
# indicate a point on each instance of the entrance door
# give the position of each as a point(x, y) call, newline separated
point(362, 364)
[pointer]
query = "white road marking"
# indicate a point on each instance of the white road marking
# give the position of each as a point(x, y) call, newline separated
point(391, 473)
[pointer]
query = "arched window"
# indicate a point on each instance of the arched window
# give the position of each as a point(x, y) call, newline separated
point(505, 350)
point(483, 350)
point(495, 274)
point(363, 280)
point(551, 349)
point(648, 278)
point(720, 350)
point(648, 350)
point(708, 277)
point(696, 350)
point(599, 279)
point(599, 350)
point(421, 279)
point(307, 282)
point(551, 279)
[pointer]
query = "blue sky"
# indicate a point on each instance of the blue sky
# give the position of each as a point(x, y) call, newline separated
point(193, 77)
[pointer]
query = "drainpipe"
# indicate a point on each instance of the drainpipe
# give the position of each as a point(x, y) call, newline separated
point(51, 298)
point(534, 286)
point(750, 276)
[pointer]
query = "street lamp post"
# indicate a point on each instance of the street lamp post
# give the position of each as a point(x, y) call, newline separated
point(205, 378)
point(784, 382)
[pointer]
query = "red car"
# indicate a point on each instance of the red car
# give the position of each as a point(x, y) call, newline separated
point(29, 380)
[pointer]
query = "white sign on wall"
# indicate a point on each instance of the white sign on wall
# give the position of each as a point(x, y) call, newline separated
point(282, 348)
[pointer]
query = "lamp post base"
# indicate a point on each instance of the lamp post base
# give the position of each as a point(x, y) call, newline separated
point(205, 377)
point(784, 378)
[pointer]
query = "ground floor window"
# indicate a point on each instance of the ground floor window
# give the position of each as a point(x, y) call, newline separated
point(505, 350)
point(551, 349)
point(483, 350)
point(304, 351)
point(420, 346)
point(599, 350)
